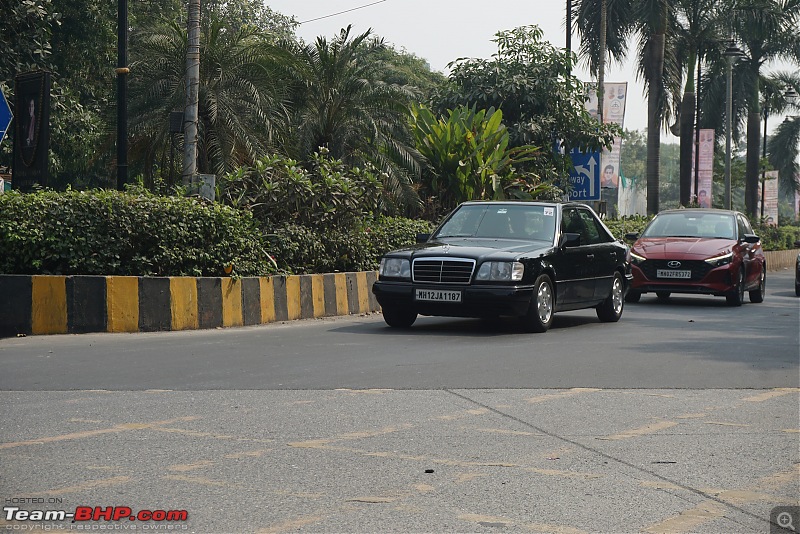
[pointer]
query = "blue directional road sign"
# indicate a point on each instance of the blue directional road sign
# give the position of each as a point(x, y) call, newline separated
point(585, 177)
point(5, 116)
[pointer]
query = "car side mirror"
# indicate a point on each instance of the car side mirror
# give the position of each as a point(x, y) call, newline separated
point(632, 236)
point(751, 238)
point(423, 238)
point(568, 239)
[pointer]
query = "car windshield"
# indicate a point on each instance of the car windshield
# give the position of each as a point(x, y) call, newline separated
point(523, 221)
point(692, 224)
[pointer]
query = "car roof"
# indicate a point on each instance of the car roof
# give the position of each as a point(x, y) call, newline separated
point(698, 211)
point(526, 202)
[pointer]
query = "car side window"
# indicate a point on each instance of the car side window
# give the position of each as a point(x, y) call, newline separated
point(571, 222)
point(742, 225)
point(594, 233)
point(744, 222)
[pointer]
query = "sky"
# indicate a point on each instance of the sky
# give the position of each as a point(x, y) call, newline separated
point(441, 31)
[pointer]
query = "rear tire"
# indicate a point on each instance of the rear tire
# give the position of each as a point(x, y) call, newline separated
point(633, 296)
point(398, 317)
point(540, 314)
point(736, 297)
point(611, 309)
point(757, 295)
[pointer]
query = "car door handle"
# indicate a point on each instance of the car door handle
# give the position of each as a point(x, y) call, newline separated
point(590, 256)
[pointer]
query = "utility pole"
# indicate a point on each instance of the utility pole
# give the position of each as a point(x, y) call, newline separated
point(192, 93)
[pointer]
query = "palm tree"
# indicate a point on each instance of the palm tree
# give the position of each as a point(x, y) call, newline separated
point(344, 105)
point(767, 30)
point(649, 20)
point(192, 93)
point(697, 30)
point(783, 147)
point(239, 101)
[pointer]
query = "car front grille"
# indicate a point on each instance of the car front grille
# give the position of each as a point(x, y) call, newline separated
point(443, 271)
point(699, 268)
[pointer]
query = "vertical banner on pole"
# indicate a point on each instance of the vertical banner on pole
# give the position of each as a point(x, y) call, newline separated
point(705, 168)
point(32, 134)
point(797, 201)
point(769, 203)
point(614, 113)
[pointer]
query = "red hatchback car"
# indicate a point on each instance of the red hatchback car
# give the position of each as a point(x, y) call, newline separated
point(705, 251)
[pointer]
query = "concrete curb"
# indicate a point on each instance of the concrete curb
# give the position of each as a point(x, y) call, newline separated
point(81, 304)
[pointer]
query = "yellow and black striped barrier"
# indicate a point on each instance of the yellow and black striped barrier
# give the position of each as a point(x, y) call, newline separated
point(80, 304)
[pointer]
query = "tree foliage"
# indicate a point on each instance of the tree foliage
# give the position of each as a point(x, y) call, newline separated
point(468, 156)
point(531, 82)
point(239, 103)
point(344, 103)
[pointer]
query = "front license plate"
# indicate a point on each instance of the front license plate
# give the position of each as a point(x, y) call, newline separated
point(438, 295)
point(663, 273)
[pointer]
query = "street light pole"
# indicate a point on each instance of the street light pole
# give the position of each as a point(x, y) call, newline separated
point(731, 52)
point(764, 163)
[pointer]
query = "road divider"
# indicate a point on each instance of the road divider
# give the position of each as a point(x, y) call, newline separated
point(82, 304)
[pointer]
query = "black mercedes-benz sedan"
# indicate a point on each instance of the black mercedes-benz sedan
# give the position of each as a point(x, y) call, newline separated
point(520, 259)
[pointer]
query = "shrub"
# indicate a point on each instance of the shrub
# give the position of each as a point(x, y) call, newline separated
point(280, 192)
point(777, 237)
point(112, 233)
point(627, 224)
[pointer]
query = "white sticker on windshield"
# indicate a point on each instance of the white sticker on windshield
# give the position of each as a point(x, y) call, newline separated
point(548, 212)
point(502, 210)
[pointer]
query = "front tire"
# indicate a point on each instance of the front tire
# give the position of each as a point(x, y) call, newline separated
point(398, 317)
point(540, 314)
point(610, 310)
point(736, 297)
point(757, 295)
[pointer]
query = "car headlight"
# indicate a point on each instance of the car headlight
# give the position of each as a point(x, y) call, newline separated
point(636, 259)
point(500, 271)
point(718, 261)
point(395, 268)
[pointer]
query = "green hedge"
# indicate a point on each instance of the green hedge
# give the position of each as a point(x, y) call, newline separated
point(777, 237)
point(624, 225)
point(112, 233)
point(300, 249)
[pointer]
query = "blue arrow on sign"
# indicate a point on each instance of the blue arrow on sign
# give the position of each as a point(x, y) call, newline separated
point(5, 116)
point(585, 177)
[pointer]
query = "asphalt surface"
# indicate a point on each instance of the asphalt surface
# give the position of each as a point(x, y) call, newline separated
point(682, 417)
point(687, 342)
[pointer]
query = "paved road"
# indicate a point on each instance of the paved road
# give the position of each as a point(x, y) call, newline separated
point(689, 342)
point(683, 417)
